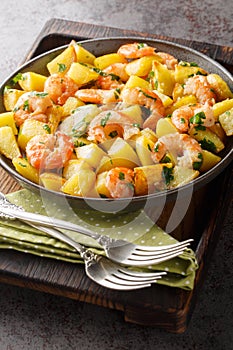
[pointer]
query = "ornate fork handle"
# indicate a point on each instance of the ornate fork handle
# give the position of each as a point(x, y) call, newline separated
point(11, 211)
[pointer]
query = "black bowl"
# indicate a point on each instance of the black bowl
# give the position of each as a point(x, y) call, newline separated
point(157, 200)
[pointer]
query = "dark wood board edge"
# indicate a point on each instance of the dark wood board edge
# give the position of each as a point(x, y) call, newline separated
point(174, 319)
point(222, 54)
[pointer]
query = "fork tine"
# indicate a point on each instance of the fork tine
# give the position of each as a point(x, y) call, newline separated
point(141, 273)
point(137, 260)
point(124, 278)
point(124, 287)
point(121, 278)
point(151, 255)
point(165, 247)
point(139, 276)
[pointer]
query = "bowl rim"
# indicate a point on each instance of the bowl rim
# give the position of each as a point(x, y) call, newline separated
point(201, 180)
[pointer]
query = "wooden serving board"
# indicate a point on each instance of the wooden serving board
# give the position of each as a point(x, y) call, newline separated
point(157, 306)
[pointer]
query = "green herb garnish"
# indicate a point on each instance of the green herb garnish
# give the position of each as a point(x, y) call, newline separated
point(104, 120)
point(197, 73)
point(167, 174)
point(117, 93)
point(61, 67)
point(156, 148)
point(17, 78)
point(197, 120)
point(26, 105)
point(149, 147)
point(196, 165)
point(121, 175)
point(39, 94)
point(208, 145)
point(47, 128)
point(141, 45)
point(113, 134)
point(147, 95)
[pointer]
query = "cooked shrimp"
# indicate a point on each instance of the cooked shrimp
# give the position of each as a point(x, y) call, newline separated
point(181, 117)
point(110, 124)
point(49, 151)
point(112, 76)
point(136, 50)
point(185, 148)
point(98, 96)
point(60, 87)
point(169, 60)
point(199, 86)
point(32, 105)
point(119, 182)
point(148, 99)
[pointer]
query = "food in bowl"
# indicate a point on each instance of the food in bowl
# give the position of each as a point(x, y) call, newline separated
point(128, 123)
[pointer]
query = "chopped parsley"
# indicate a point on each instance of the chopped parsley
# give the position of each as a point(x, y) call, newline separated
point(61, 67)
point(26, 105)
point(121, 175)
point(141, 45)
point(103, 195)
point(113, 134)
point(97, 70)
point(114, 77)
point(183, 64)
point(104, 120)
point(78, 143)
point(208, 145)
point(151, 74)
point(193, 64)
point(196, 165)
point(47, 128)
point(156, 83)
point(188, 64)
point(149, 147)
point(197, 73)
point(197, 120)
point(117, 93)
point(167, 174)
point(166, 159)
point(103, 74)
point(39, 94)
point(17, 78)
point(147, 95)
point(136, 125)
point(15, 109)
point(156, 148)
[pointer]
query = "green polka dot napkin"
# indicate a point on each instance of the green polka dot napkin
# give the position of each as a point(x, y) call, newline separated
point(135, 227)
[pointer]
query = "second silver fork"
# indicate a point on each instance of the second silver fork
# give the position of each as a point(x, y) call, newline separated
point(120, 251)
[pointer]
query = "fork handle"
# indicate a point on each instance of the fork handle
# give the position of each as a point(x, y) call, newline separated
point(45, 220)
point(59, 235)
point(84, 252)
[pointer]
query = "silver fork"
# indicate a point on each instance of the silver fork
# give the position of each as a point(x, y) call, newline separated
point(120, 251)
point(102, 270)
